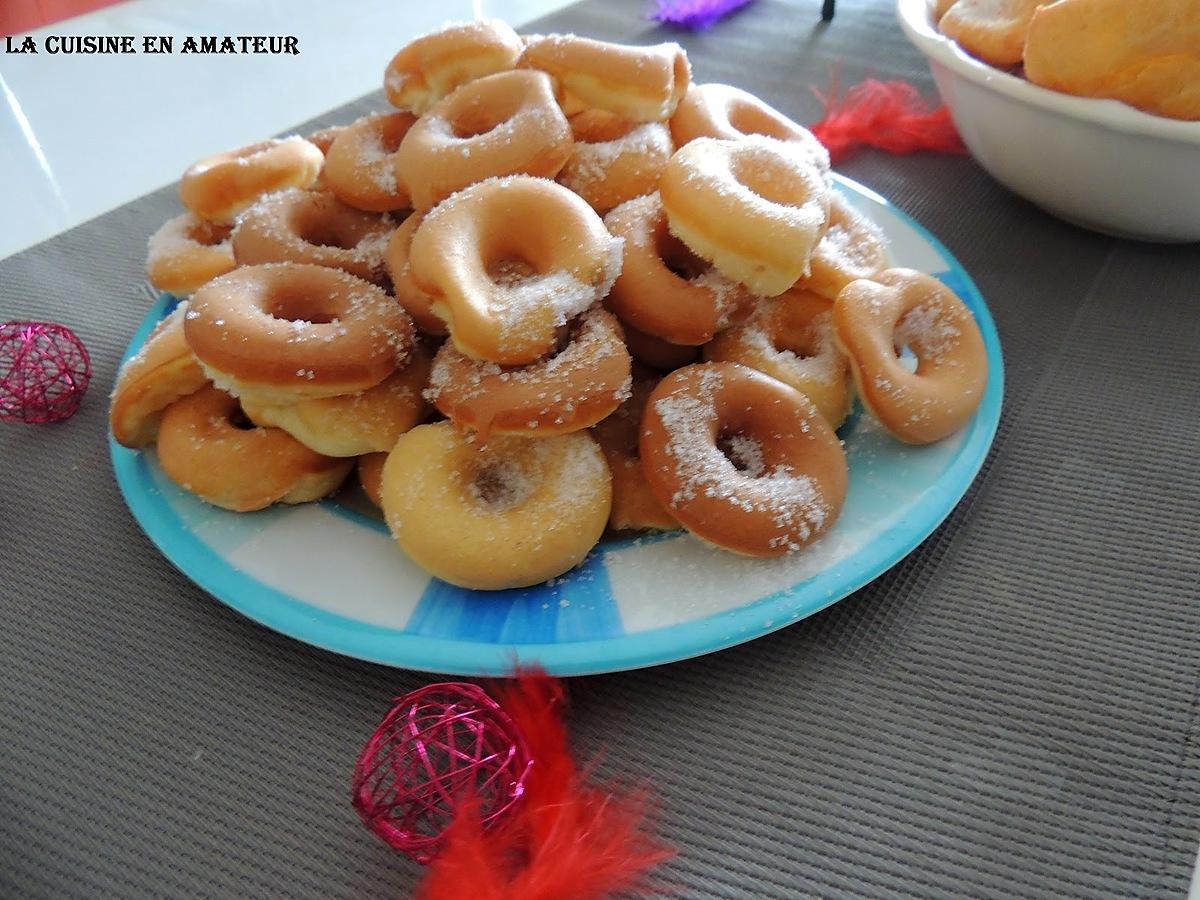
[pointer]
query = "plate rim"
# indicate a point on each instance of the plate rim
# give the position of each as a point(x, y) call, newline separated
point(272, 608)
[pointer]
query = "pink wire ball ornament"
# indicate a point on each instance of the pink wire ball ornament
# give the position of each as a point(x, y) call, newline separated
point(44, 372)
point(437, 747)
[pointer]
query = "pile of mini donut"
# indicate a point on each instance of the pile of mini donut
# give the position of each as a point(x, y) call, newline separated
point(562, 290)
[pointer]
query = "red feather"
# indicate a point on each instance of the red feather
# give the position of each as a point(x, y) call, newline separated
point(890, 115)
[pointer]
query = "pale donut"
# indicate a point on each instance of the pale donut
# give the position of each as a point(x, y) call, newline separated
point(353, 424)
point(219, 187)
point(510, 260)
point(288, 331)
point(187, 252)
point(872, 320)
point(206, 447)
point(161, 372)
point(509, 513)
point(641, 84)
point(312, 227)
point(852, 247)
point(505, 124)
point(742, 460)
point(429, 67)
point(360, 167)
point(395, 257)
point(614, 160)
point(752, 208)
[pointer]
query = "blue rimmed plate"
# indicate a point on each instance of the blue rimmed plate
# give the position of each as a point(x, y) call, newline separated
point(329, 574)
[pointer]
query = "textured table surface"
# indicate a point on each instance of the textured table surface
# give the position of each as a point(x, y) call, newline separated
point(1009, 712)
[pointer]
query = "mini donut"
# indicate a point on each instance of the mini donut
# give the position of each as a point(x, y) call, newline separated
point(353, 424)
point(634, 506)
point(568, 391)
point(360, 166)
point(429, 67)
point(395, 258)
point(161, 372)
point(289, 331)
point(370, 475)
point(206, 446)
point(729, 114)
point(790, 337)
point(873, 320)
point(505, 514)
point(656, 353)
point(852, 247)
point(742, 460)
point(752, 208)
point(219, 187)
point(312, 227)
point(641, 84)
point(993, 30)
point(504, 124)
point(664, 289)
point(614, 160)
point(510, 260)
point(186, 252)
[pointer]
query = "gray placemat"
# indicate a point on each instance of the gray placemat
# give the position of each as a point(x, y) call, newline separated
point(1009, 712)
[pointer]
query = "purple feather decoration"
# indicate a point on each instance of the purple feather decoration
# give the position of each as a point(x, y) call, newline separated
point(695, 14)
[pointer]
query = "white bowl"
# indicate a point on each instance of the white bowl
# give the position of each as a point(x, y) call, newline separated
point(1097, 163)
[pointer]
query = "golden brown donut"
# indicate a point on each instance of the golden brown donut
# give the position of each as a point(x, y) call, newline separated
point(664, 289)
point(312, 227)
point(353, 424)
point(395, 257)
point(360, 166)
point(206, 446)
point(161, 372)
point(288, 331)
point(852, 247)
point(751, 207)
point(571, 390)
point(790, 337)
point(504, 124)
point(614, 160)
point(508, 513)
point(873, 320)
point(370, 475)
point(993, 30)
point(510, 260)
point(431, 66)
point(656, 353)
point(742, 460)
point(219, 187)
point(641, 84)
point(187, 252)
point(634, 506)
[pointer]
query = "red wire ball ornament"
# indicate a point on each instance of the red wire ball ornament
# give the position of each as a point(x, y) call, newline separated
point(44, 372)
point(437, 747)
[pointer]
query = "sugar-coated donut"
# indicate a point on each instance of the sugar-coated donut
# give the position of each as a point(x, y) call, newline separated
point(361, 168)
point(656, 353)
point(219, 187)
point(161, 372)
point(187, 252)
point(429, 67)
point(507, 513)
point(570, 390)
point(993, 30)
point(206, 446)
point(873, 320)
point(353, 424)
point(751, 207)
point(790, 337)
point(312, 227)
point(370, 475)
point(641, 84)
point(287, 331)
point(395, 257)
point(504, 124)
point(852, 247)
point(742, 460)
point(664, 289)
point(634, 506)
point(614, 160)
point(510, 260)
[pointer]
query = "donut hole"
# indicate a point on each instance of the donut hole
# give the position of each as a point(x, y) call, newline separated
point(765, 177)
point(240, 421)
point(677, 257)
point(498, 485)
point(804, 344)
point(479, 118)
point(744, 452)
point(296, 303)
point(208, 234)
point(510, 270)
point(749, 120)
point(922, 336)
point(388, 131)
point(322, 232)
